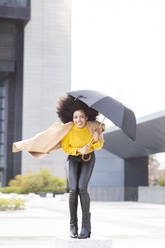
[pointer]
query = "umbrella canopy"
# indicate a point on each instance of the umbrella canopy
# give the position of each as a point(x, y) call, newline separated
point(120, 115)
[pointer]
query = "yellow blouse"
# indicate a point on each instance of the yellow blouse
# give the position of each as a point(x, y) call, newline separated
point(79, 137)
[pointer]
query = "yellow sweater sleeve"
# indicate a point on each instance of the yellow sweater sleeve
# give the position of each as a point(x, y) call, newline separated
point(67, 148)
point(97, 145)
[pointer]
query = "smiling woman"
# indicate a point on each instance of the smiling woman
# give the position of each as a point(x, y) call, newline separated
point(78, 142)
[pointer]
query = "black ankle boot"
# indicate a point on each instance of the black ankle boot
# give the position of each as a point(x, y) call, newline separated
point(86, 227)
point(73, 203)
point(73, 230)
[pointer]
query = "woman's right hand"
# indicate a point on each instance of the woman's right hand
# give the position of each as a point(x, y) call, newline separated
point(84, 149)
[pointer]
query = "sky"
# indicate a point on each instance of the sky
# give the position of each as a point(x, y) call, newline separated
point(118, 49)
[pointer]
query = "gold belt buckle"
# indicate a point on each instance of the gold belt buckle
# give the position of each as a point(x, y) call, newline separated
point(86, 159)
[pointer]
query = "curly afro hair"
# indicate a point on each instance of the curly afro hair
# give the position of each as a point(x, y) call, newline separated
point(67, 105)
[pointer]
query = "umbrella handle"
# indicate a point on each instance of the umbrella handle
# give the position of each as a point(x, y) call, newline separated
point(83, 158)
point(87, 159)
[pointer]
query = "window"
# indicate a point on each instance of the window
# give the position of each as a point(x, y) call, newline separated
point(1, 177)
point(2, 129)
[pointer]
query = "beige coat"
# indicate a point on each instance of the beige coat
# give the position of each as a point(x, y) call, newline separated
point(50, 139)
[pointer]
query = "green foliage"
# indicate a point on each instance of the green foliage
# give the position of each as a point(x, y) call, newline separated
point(150, 183)
point(161, 180)
point(11, 204)
point(13, 189)
point(41, 181)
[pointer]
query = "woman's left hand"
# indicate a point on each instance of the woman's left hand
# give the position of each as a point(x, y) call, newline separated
point(98, 131)
point(102, 128)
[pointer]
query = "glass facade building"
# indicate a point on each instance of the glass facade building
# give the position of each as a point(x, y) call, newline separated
point(13, 17)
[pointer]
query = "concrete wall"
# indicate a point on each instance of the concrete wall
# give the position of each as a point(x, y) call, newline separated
point(106, 193)
point(135, 174)
point(152, 194)
point(107, 180)
point(108, 170)
point(46, 74)
point(136, 171)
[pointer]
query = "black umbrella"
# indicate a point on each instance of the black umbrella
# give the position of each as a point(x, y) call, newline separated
point(120, 115)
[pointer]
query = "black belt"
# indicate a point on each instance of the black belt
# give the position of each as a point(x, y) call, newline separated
point(78, 158)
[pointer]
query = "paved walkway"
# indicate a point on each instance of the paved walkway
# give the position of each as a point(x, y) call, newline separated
point(45, 223)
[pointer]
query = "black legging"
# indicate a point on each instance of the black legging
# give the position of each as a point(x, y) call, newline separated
point(78, 175)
